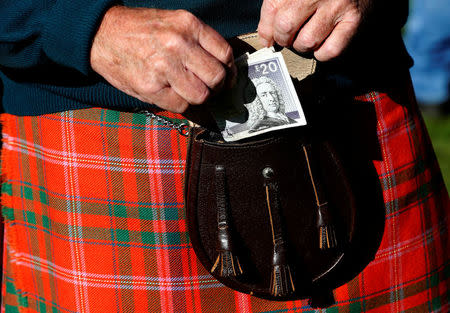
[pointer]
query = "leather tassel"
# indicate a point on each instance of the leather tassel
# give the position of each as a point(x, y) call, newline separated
point(327, 234)
point(281, 282)
point(227, 263)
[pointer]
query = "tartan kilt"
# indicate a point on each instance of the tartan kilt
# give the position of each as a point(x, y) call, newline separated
point(94, 217)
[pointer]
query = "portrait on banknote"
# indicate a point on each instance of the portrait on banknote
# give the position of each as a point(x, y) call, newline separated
point(263, 99)
point(268, 108)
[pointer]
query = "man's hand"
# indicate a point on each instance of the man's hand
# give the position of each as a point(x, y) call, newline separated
point(323, 26)
point(168, 58)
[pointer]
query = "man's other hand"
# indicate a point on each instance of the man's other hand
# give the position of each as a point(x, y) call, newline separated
point(323, 26)
point(164, 57)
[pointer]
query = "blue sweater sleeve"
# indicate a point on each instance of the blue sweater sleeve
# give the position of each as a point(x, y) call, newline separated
point(39, 32)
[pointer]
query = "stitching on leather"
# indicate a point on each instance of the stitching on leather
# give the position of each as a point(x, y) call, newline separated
point(313, 67)
point(243, 146)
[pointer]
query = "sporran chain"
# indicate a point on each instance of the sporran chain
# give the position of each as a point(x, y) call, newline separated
point(182, 128)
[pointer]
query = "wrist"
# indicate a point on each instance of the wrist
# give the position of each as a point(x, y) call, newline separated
point(109, 22)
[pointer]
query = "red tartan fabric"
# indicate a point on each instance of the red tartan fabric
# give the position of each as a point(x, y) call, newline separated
point(95, 221)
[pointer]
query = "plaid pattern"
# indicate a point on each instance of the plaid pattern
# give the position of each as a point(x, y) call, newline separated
point(95, 221)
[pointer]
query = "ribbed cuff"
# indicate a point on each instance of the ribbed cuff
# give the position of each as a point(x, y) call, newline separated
point(70, 29)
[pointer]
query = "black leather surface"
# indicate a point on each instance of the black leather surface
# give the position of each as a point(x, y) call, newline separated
point(252, 234)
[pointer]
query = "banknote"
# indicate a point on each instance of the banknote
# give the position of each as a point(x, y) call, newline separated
point(263, 100)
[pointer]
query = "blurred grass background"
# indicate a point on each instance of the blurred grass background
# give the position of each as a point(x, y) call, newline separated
point(439, 130)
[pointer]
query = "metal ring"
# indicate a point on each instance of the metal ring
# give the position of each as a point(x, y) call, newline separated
point(184, 129)
point(268, 172)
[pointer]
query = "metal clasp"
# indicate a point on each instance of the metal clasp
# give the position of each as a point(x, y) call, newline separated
point(184, 129)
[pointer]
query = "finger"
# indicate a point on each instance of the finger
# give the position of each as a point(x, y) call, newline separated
point(231, 78)
point(289, 19)
point(315, 31)
point(207, 68)
point(337, 41)
point(187, 85)
point(265, 26)
point(169, 100)
point(216, 45)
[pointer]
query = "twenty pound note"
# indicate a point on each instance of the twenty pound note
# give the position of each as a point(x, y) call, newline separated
point(263, 99)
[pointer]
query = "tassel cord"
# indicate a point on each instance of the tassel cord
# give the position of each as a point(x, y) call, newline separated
point(327, 235)
point(227, 262)
point(281, 281)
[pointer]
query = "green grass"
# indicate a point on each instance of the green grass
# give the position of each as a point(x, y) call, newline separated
point(439, 130)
